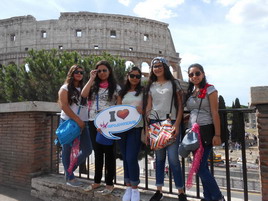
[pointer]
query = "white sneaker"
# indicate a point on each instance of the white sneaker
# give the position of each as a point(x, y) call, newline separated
point(135, 195)
point(127, 195)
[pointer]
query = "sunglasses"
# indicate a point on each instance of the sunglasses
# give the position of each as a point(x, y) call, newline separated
point(104, 70)
point(157, 66)
point(135, 76)
point(79, 72)
point(198, 73)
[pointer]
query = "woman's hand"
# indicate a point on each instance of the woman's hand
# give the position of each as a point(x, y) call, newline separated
point(99, 130)
point(139, 109)
point(93, 74)
point(216, 141)
point(80, 123)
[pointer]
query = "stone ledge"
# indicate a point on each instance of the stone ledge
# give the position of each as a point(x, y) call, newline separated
point(29, 106)
point(258, 95)
point(53, 188)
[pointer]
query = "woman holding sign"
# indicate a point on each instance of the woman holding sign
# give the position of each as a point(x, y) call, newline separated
point(70, 102)
point(130, 141)
point(163, 95)
point(101, 91)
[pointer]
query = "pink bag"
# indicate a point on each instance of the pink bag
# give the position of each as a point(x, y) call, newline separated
point(74, 155)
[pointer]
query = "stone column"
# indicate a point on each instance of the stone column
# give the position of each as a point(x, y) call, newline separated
point(259, 98)
point(25, 141)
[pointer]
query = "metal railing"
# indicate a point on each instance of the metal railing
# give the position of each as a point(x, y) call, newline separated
point(226, 181)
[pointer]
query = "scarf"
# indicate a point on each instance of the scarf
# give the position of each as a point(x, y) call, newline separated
point(198, 154)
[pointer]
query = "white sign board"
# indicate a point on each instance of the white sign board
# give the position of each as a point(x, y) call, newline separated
point(117, 119)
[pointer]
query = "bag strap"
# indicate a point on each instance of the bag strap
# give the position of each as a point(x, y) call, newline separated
point(198, 109)
point(169, 115)
point(97, 101)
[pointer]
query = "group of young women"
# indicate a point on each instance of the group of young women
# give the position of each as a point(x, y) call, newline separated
point(163, 95)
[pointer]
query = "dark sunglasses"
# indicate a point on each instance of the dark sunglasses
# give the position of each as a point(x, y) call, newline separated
point(133, 76)
point(79, 72)
point(158, 66)
point(104, 70)
point(198, 73)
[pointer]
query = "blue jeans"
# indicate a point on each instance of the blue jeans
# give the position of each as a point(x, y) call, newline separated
point(85, 151)
point(210, 186)
point(174, 163)
point(130, 146)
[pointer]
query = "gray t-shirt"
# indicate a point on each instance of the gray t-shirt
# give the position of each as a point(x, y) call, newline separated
point(204, 117)
point(161, 99)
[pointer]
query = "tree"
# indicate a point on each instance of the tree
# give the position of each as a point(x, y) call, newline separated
point(40, 78)
point(238, 124)
point(223, 119)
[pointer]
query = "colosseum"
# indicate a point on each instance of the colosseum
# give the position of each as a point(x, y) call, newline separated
point(135, 39)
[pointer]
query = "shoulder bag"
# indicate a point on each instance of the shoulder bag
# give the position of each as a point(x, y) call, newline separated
point(68, 131)
point(161, 133)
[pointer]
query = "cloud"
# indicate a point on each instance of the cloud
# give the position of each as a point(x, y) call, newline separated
point(227, 2)
point(250, 12)
point(124, 2)
point(157, 9)
point(232, 56)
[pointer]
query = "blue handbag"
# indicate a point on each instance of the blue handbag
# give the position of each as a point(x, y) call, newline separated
point(68, 131)
point(99, 137)
point(103, 140)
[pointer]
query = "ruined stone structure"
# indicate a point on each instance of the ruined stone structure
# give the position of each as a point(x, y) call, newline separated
point(135, 39)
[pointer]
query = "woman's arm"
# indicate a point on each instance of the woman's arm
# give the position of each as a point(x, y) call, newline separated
point(147, 119)
point(86, 89)
point(64, 105)
point(119, 100)
point(213, 100)
point(179, 113)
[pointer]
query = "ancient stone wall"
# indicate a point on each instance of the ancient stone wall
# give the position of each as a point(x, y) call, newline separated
point(135, 39)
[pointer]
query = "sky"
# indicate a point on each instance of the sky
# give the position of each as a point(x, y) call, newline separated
point(229, 38)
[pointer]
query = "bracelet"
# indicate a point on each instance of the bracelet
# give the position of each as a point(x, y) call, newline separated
point(217, 135)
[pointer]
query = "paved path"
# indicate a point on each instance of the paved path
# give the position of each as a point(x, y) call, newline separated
point(12, 194)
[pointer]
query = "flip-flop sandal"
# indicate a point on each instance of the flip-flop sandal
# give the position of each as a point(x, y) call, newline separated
point(90, 187)
point(106, 191)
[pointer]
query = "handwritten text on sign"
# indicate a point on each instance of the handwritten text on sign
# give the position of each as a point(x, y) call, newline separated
point(117, 119)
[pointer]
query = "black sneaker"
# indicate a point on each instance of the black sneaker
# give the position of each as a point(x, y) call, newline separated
point(157, 196)
point(182, 197)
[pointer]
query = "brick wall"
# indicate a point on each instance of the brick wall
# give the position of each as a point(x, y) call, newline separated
point(25, 146)
point(262, 124)
point(259, 99)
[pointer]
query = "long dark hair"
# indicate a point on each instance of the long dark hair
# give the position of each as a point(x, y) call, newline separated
point(191, 85)
point(111, 80)
point(127, 85)
point(153, 78)
point(73, 93)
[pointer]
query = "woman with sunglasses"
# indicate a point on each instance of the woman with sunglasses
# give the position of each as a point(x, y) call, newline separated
point(162, 93)
point(202, 101)
point(130, 141)
point(70, 102)
point(101, 91)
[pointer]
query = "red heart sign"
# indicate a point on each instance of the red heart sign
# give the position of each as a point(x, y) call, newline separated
point(122, 113)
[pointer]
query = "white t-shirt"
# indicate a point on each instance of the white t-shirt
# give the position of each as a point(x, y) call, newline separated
point(103, 102)
point(83, 115)
point(131, 99)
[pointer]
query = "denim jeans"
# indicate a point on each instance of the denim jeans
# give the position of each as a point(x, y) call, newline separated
point(210, 186)
point(85, 151)
point(130, 144)
point(174, 163)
